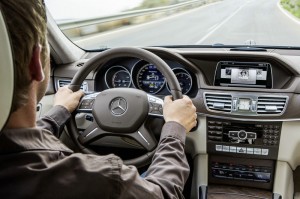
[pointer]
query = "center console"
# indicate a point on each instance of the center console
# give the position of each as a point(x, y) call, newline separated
point(242, 153)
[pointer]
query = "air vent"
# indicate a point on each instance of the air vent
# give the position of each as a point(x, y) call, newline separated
point(83, 87)
point(218, 102)
point(271, 104)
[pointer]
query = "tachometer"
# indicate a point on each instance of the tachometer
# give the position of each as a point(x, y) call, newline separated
point(184, 79)
point(117, 76)
point(149, 79)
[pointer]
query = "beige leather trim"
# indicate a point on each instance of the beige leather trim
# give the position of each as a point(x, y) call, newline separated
point(290, 143)
point(284, 183)
point(6, 74)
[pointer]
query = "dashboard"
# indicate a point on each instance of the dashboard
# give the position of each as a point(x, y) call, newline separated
point(247, 105)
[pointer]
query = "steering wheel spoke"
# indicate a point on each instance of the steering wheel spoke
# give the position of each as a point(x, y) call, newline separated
point(92, 133)
point(155, 106)
point(144, 138)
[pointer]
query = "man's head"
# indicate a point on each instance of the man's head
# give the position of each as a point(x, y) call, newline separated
point(26, 24)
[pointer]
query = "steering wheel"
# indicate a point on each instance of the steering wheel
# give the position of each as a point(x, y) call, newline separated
point(121, 111)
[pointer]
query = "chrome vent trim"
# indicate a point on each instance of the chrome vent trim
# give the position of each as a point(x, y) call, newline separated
point(219, 102)
point(271, 105)
point(61, 83)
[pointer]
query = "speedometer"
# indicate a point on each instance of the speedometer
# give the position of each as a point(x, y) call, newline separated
point(149, 79)
point(117, 76)
point(184, 79)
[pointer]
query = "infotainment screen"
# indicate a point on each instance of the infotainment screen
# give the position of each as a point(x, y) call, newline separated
point(245, 74)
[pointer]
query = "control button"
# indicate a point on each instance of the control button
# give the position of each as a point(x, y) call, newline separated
point(265, 151)
point(226, 123)
point(232, 149)
point(151, 99)
point(219, 148)
point(250, 150)
point(214, 138)
point(216, 165)
point(265, 141)
point(271, 131)
point(241, 150)
point(265, 170)
point(233, 134)
point(266, 131)
point(258, 125)
point(89, 118)
point(275, 142)
point(160, 109)
point(219, 123)
point(270, 142)
point(242, 135)
point(225, 166)
point(276, 127)
point(257, 169)
point(225, 148)
point(230, 174)
point(271, 126)
point(250, 176)
point(211, 133)
point(251, 135)
point(266, 177)
point(257, 151)
point(218, 132)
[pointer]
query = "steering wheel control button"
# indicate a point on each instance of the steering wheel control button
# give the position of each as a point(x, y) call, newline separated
point(265, 151)
point(155, 105)
point(118, 106)
point(86, 104)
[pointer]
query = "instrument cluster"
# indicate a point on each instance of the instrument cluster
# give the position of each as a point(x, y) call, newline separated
point(144, 76)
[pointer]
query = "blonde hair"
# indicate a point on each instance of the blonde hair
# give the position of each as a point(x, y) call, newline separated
point(27, 27)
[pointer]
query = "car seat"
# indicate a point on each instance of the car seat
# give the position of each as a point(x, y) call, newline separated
point(6, 73)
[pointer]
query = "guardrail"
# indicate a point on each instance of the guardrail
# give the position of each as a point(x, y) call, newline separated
point(125, 15)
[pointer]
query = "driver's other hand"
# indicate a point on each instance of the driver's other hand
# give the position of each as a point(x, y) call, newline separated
point(182, 111)
point(67, 98)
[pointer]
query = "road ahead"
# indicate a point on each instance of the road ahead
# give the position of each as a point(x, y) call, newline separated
point(227, 22)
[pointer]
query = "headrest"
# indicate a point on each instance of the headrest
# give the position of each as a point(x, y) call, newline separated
point(6, 73)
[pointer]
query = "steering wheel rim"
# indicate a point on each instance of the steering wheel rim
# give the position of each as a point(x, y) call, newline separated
point(96, 63)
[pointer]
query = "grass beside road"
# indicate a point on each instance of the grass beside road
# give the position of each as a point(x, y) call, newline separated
point(293, 6)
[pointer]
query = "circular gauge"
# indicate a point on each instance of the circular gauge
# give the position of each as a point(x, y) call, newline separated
point(184, 79)
point(117, 76)
point(149, 79)
point(121, 79)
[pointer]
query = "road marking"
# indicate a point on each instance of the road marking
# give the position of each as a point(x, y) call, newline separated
point(214, 28)
point(286, 13)
point(103, 34)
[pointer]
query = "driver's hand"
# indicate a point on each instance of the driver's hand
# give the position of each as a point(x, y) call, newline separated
point(67, 98)
point(182, 111)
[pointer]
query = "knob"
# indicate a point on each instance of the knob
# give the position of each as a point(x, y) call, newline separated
point(242, 135)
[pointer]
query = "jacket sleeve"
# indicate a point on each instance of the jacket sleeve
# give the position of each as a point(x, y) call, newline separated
point(54, 120)
point(167, 173)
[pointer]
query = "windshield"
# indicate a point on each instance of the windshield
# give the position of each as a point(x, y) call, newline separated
point(98, 24)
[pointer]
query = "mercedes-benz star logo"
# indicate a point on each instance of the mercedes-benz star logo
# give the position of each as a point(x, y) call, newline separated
point(118, 106)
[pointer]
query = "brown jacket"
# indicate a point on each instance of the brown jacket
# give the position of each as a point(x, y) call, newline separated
point(35, 164)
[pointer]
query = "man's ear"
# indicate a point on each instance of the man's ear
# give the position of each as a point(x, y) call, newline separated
point(35, 66)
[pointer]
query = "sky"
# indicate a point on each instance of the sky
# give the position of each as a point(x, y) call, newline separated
point(80, 9)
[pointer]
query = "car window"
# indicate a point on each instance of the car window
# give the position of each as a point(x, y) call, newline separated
point(98, 24)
